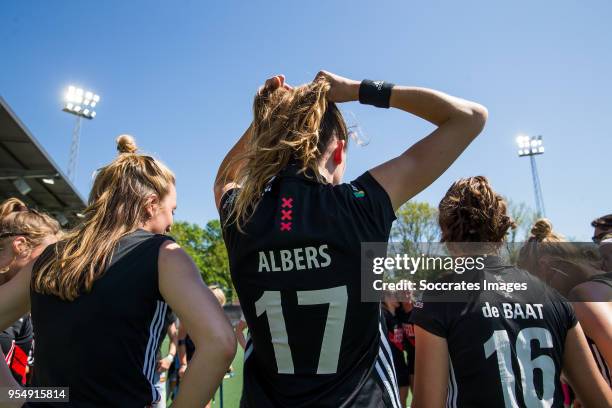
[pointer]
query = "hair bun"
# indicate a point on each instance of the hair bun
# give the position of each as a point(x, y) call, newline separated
point(542, 229)
point(126, 144)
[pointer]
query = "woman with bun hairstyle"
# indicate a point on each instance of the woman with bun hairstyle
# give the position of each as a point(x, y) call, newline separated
point(545, 251)
point(492, 347)
point(24, 234)
point(565, 267)
point(293, 232)
point(98, 297)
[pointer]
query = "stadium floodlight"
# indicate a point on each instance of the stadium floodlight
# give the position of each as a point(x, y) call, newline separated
point(22, 186)
point(80, 103)
point(532, 146)
point(529, 146)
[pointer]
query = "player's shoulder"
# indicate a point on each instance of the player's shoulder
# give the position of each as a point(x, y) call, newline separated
point(365, 197)
point(594, 290)
point(363, 188)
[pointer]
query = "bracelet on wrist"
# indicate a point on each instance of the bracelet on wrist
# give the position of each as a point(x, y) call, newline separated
point(376, 93)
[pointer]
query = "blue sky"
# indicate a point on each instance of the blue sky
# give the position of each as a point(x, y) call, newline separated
point(180, 76)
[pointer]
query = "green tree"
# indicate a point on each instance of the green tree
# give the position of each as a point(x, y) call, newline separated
point(415, 229)
point(416, 222)
point(524, 217)
point(207, 249)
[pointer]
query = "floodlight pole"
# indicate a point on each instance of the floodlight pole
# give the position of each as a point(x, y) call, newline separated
point(537, 188)
point(81, 104)
point(532, 146)
point(74, 149)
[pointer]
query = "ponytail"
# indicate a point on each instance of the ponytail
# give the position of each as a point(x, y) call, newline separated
point(288, 125)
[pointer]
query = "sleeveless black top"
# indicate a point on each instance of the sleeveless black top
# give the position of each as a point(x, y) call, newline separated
point(103, 344)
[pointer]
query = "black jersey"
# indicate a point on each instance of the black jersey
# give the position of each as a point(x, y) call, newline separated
point(296, 271)
point(103, 344)
point(505, 349)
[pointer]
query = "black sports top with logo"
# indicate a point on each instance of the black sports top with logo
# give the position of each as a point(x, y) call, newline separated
point(103, 344)
point(296, 269)
point(505, 348)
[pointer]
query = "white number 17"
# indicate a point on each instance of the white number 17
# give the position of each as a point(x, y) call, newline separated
point(270, 304)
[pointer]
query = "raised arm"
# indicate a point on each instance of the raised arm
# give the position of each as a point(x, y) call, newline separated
point(229, 168)
point(183, 289)
point(458, 122)
point(231, 164)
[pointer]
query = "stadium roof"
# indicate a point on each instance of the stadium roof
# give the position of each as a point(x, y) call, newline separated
point(22, 157)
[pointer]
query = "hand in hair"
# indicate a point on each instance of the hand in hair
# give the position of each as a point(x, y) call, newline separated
point(342, 89)
point(230, 166)
point(277, 81)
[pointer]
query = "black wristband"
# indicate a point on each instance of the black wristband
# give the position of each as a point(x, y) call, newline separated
point(377, 93)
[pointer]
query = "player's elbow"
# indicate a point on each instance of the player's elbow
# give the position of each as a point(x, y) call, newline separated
point(225, 343)
point(478, 115)
point(473, 117)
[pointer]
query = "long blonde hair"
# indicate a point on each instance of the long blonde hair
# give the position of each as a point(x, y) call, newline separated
point(16, 219)
point(289, 124)
point(117, 207)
